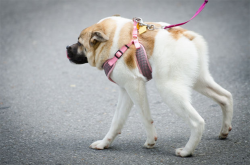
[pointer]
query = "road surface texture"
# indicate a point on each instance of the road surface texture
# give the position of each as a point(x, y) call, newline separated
point(52, 110)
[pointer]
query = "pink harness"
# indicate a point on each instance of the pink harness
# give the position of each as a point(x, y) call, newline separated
point(141, 59)
point(141, 56)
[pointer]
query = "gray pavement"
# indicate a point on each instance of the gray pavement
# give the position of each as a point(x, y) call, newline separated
point(52, 110)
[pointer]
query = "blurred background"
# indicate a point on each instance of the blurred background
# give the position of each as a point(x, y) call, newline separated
point(52, 110)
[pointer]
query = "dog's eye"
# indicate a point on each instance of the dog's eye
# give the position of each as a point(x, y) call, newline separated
point(79, 44)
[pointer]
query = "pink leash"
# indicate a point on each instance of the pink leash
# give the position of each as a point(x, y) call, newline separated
point(200, 9)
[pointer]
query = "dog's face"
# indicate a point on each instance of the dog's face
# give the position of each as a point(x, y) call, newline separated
point(84, 50)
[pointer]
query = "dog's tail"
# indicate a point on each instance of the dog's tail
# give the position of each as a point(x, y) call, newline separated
point(202, 50)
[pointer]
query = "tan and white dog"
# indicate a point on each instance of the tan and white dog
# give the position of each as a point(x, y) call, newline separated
point(179, 61)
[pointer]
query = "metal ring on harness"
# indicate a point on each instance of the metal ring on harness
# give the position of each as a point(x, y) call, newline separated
point(151, 27)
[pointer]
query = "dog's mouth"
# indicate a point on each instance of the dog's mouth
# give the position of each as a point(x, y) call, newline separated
point(70, 59)
point(67, 52)
point(67, 55)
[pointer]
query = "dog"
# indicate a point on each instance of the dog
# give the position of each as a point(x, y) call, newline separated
point(179, 61)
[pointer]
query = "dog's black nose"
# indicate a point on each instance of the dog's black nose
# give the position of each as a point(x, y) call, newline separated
point(68, 47)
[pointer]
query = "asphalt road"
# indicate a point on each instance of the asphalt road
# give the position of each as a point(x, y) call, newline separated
point(52, 110)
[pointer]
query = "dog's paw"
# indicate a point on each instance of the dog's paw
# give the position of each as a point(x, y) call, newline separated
point(182, 153)
point(224, 133)
point(99, 145)
point(149, 144)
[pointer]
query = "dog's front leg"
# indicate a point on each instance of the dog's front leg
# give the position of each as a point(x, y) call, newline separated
point(123, 108)
point(137, 92)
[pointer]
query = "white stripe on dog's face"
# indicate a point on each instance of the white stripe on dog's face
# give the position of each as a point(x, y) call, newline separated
point(119, 41)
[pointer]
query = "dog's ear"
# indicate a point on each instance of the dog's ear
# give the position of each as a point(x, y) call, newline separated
point(98, 36)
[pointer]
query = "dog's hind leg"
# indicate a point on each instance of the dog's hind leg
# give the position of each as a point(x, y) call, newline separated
point(137, 92)
point(208, 87)
point(177, 96)
point(121, 114)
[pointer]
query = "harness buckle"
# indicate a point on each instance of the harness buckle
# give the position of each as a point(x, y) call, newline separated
point(118, 57)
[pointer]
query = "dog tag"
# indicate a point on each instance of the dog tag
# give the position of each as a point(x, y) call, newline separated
point(138, 26)
point(142, 29)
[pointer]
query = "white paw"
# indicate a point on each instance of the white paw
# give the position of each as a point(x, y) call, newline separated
point(149, 145)
point(182, 153)
point(224, 132)
point(99, 145)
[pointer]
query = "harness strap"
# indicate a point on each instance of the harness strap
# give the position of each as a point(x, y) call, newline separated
point(135, 33)
point(135, 30)
point(109, 65)
point(143, 63)
point(120, 52)
point(199, 10)
point(141, 60)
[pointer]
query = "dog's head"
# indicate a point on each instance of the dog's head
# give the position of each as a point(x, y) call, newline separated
point(84, 50)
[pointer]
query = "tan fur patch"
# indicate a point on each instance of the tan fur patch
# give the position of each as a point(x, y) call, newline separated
point(110, 27)
point(176, 32)
point(100, 51)
point(189, 36)
point(147, 39)
point(130, 57)
point(153, 23)
point(125, 37)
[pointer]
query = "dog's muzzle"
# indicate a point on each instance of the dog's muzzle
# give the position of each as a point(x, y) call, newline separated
point(74, 57)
